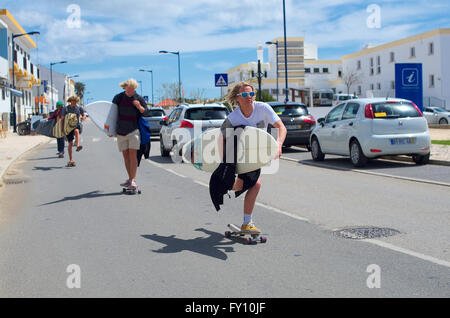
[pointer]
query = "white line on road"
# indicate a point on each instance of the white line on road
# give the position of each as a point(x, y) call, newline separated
point(409, 252)
point(175, 173)
point(282, 212)
point(201, 183)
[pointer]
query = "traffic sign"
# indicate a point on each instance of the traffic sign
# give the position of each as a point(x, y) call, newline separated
point(221, 80)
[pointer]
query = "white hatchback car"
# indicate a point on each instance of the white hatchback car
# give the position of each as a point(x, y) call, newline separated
point(370, 128)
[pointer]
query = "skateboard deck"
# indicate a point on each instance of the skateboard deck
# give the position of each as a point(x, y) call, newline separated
point(131, 191)
point(252, 239)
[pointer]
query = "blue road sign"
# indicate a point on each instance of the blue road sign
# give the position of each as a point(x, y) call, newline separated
point(221, 80)
point(409, 83)
point(145, 98)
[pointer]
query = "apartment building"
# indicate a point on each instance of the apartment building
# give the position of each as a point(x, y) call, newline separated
point(25, 72)
point(375, 66)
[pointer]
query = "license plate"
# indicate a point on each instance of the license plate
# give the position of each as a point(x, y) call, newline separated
point(292, 127)
point(403, 141)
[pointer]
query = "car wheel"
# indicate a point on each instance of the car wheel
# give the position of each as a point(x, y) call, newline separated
point(308, 147)
point(421, 159)
point(357, 157)
point(443, 121)
point(164, 152)
point(316, 152)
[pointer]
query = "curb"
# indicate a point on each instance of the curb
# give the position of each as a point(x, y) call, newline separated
point(2, 173)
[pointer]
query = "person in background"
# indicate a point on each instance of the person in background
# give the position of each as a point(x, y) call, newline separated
point(74, 134)
point(60, 141)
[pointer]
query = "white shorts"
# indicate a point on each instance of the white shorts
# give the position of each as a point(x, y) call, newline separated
point(130, 141)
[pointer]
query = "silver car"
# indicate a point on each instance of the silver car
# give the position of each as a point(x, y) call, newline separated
point(187, 120)
point(153, 117)
point(436, 115)
point(370, 128)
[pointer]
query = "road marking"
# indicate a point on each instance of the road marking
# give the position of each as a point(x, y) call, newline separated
point(282, 212)
point(201, 183)
point(175, 173)
point(96, 139)
point(408, 252)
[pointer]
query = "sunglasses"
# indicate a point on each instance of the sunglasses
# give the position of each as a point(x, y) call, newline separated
point(247, 94)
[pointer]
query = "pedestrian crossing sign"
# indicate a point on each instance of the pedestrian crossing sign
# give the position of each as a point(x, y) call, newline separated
point(221, 80)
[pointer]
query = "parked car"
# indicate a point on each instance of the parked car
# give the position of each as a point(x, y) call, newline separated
point(339, 98)
point(370, 128)
point(188, 116)
point(298, 121)
point(153, 116)
point(436, 115)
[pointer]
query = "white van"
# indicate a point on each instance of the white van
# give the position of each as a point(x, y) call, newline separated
point(339, 98)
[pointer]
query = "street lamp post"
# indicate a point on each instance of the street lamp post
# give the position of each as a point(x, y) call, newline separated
point(150, 71)
point(285, 52)
point(13, 98)
point(51, 80)
point(179, 73)
point(276, 44)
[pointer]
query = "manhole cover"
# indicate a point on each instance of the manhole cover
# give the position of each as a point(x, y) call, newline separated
point(361, 233)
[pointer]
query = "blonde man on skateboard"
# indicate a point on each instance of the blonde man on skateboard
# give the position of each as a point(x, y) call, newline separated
point(255, 114)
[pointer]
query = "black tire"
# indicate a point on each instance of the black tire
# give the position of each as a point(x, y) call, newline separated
point(308, 147)
point(21, 131)
point(443, 121)
point(357, 157)
point(164, 152)
point(316, 151)
point(421, 159)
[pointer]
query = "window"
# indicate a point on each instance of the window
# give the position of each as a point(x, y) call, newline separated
point(350, 111)
point(372, 86)
point(431, 81)
point(392, 57)
point(371, 66)
point(431, 48)
point(379, 86)
point(3, 93)
point(325, 70)
point(316, 70)
point(412, 52)
point(25, 63)
point(335, 114)
point(359, 90)
point(358, 65)
point(378, 64)
point(307, 70)
point(392, 84)
point(339, 74)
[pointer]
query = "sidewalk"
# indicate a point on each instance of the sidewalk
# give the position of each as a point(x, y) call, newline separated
point(13, 146)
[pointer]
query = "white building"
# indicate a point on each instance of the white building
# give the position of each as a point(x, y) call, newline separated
point(375, 66)
point(26, 74)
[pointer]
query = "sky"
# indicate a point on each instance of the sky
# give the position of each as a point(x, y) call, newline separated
point(107, 42)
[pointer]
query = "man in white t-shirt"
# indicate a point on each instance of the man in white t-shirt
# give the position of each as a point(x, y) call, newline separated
point(255, 114)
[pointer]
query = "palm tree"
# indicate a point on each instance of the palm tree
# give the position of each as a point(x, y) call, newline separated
point(79, 89)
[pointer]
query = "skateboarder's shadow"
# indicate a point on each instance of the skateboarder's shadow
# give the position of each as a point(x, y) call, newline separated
point(89, 195)
point(212, 246)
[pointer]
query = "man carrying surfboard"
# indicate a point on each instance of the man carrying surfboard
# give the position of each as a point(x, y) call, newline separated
point(255, 114)
point(73, 108)
point(130, 108)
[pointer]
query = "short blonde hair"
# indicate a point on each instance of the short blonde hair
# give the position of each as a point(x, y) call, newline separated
point(129, 83)
point(73, 98)
point(233, 94)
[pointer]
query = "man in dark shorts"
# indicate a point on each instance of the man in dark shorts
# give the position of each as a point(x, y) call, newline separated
point(130, 108)
point(74, 134)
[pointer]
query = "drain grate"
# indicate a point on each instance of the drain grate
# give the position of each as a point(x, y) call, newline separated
point(368, 232)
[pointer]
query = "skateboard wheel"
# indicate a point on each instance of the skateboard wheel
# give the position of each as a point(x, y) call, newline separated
point(263, 239)
point(124, 190)
point(227, 234)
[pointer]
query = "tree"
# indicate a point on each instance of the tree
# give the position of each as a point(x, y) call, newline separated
point(198, 95)
point(350, 78)
point(169, 91)
point(79, 89)
point(266, 97)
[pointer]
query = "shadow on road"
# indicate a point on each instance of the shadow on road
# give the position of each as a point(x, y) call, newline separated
point(211, 246)
point(89, 195)
point(46, 168)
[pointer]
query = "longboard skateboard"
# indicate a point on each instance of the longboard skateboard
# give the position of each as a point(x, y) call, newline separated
point(236, 232)
point(131, 191)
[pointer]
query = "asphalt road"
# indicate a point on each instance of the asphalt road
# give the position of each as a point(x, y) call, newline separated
point(168, 242)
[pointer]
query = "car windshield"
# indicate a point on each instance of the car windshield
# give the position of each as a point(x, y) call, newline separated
point(206, 113)
point(394, 110)
point(439, 110)
point(344, 97)
point(327, 95)
point(154, 113)
point(290, 110)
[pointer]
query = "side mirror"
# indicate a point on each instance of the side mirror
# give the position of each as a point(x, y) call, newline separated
point(164, 121)
point(321, 121)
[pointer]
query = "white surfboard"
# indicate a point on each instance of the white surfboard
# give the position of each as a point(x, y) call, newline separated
point(255, 149)
point(104, 115)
